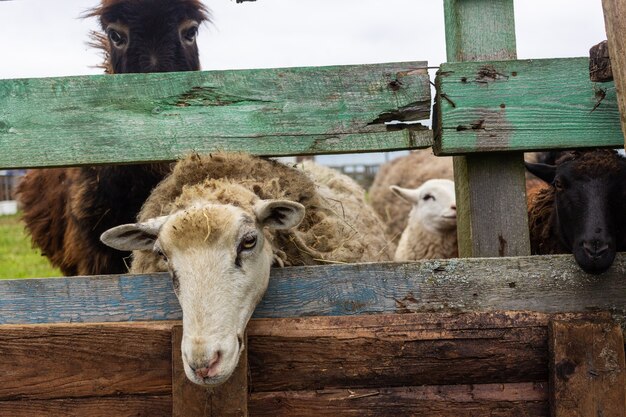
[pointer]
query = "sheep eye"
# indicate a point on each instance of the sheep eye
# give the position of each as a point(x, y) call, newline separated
point(429, 197)
point(116, 38)
point(160, 254)
point(558, 184)
point(190, 34)
point(247, 243)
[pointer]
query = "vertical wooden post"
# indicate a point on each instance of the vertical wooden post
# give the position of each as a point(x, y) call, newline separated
point(490, 188)
point(191, 400)
point(587, 375)
point(614, 12)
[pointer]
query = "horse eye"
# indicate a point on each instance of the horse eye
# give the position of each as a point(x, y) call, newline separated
point(118, 39)
point(190, 34)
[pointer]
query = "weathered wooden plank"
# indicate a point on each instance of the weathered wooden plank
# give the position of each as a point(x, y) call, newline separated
point(151, 117)
point(317, 353)
point(600, 70)
point(502, 400)
point(61, 361)
point(614, 11)
point(191, 400)
point(587, 373)
point(119, 406)
point(484, 30)
point(541, 283)
point(525, 105)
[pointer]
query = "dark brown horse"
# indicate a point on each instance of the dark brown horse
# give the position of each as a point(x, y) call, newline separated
point(67, 209)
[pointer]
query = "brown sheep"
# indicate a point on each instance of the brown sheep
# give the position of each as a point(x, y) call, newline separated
point(67, 209)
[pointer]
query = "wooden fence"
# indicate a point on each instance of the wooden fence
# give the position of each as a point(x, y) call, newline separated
point(496, 333)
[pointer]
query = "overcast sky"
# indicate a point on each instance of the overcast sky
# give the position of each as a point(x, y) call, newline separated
point(41, 38)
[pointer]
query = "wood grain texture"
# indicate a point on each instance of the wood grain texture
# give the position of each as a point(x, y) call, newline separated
point(614, 12)
point(191, 400)
point(61, 361)
point(153, 117)
point(501, 400)
point(479, 30)
point(600, 69)
point(527, 105)
point(118, 406)
point(398, 350)
point(541, 283)
point(587, 374)
point(492, 219)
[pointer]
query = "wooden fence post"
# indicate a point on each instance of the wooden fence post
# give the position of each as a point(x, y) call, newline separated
point(587, 375)
point(491, 196)
point(614, 11)
point(191, 400)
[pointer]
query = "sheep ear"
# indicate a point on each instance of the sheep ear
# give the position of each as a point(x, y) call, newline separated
point(412, 196)
point(543, 171)
point(134, 236)
point(279, 214)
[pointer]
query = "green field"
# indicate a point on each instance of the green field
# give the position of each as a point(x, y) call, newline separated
point(17, 258)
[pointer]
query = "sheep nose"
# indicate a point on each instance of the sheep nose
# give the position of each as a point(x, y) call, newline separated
point(595, 248)
point(453, 207)
point(208, 369)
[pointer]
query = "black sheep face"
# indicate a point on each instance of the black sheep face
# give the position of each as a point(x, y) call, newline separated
point(152, 35)
point(590, 203)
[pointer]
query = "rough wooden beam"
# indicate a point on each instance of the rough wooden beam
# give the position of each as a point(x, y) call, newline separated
point(600, 70)
point(149, 117)
point(118, 406)
point(587, 374)
point(502, 400)
point(63, 361)
point(484, 30)
point(614, 12)
point(190, 400)
point(489, 110)
point(541, 283)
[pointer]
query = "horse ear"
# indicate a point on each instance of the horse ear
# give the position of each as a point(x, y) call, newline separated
point(544, 172)
point(134, 236)
point(279, 214)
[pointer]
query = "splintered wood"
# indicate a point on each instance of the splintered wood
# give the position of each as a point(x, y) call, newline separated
point(586, 369)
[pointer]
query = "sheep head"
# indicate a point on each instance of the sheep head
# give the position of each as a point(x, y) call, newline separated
point(219, 257)
point(589, 203)
point(434, 204)
point(150, 35)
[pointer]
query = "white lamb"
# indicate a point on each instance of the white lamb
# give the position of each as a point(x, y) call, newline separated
point(431, 229)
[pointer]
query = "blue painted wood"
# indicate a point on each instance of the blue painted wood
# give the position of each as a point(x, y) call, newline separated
point(543, 284)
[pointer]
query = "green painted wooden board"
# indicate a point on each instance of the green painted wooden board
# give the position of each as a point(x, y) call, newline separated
point(153, 117)
point(525, 105)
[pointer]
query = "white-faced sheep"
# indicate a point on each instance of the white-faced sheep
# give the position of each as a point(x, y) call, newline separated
point(431, 229)
point(408, 171)
point(218, 223)
point(66, 209)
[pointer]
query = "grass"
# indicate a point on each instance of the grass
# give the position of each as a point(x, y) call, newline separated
point(17, 258)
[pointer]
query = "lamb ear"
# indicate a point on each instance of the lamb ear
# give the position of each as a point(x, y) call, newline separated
point(134, 236)
point(412, 196)
point(279, 214)
point(544, 172)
